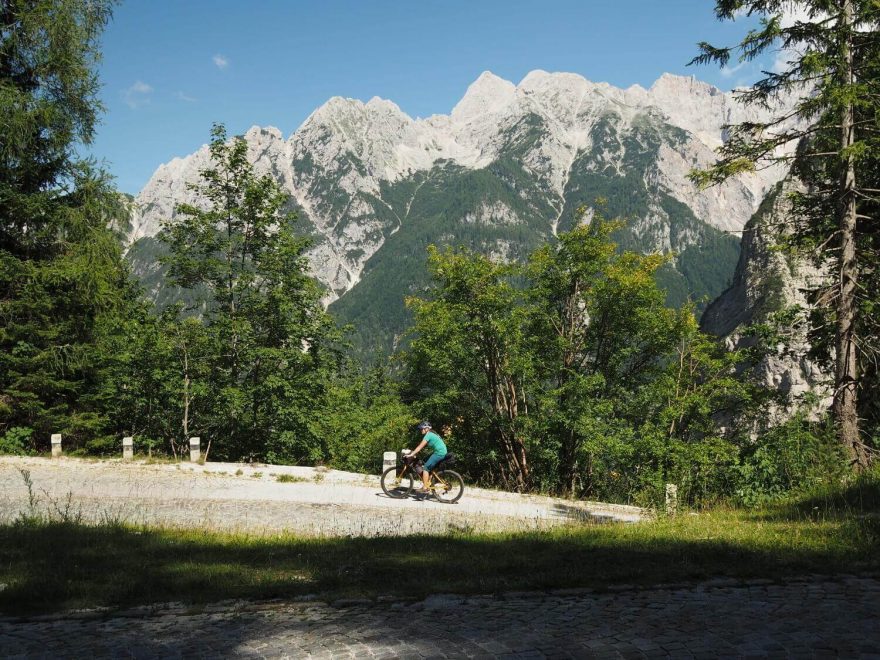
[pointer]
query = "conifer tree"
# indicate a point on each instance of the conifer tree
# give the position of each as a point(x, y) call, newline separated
point(62, 282)
point(831, 68)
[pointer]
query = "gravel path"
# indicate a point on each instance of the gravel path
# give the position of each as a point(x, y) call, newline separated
point(815, 618)
point(809, 618)
point(250, 498)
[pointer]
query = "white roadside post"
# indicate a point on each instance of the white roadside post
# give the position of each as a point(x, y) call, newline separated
point(195, 449)
point(389, 460)
point(56, 445)
point(127, 448)
point(671, 499)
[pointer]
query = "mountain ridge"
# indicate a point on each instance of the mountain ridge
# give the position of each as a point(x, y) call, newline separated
point(507, 167)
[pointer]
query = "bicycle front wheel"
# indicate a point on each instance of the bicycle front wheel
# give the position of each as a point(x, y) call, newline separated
point(397, 484)
point(449, 486)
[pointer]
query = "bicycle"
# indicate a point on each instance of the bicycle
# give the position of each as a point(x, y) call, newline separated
point(446, 485)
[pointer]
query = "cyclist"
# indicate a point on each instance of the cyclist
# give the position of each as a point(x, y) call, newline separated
point(437, 445)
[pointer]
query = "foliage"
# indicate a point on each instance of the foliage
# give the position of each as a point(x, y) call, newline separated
point(159, 386)
point(64, 286)
point(255, 368)
point(363, 418)
point(468, 359)
point(828, 132)
point(600, 325)
point(16, 440)
point(796, 456)
point(570, 374)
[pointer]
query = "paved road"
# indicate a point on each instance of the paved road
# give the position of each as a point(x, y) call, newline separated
point(250, 498)
point(815, 618)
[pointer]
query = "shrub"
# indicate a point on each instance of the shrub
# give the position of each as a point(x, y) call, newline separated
point(17, 441)
point(797, 456)
point(104, 445)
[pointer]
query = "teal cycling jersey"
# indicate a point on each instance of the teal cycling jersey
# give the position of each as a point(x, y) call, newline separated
point(435, 442)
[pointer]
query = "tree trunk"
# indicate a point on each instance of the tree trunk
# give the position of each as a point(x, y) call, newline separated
point(505, 408)
point(846, 364)
point(569, 473)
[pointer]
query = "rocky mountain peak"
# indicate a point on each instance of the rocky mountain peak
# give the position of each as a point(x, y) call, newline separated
point(263, 132)
point(357, 171)
point(488, 94)
point(384, 105)
point(350, 118)
point(671, 83)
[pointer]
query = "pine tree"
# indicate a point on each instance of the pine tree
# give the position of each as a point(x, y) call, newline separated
point(831, 71)
point(62, 282)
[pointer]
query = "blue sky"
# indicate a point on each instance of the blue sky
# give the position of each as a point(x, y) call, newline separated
point(172, 68)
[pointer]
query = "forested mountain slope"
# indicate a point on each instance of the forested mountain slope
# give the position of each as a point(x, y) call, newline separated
point(504, 172)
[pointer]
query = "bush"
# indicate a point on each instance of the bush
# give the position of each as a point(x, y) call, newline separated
point(361, 422)
point(17, 441)
point(704, 471)
point(796, 457)
point(104, 445)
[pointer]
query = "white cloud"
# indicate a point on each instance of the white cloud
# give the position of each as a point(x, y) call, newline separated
point(790, 15)
point(220, 61)
point(729, 71)
point(782, 59)
point(796, 14)
point(182, 96)
point(137, 95)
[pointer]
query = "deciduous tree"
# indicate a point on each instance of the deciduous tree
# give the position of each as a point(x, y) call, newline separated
point(274, 346)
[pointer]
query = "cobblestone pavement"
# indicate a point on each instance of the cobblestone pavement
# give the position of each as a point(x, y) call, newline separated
point(815, 618)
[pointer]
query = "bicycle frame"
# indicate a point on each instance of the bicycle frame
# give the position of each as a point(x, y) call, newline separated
point(434, 476)
point(434, 479)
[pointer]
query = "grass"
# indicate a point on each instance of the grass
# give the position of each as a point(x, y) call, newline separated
point(289, 479)
point(56, 566)
point(155, 459)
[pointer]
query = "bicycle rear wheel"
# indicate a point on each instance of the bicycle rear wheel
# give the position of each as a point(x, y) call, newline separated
point(449, 486)
point(397, 484)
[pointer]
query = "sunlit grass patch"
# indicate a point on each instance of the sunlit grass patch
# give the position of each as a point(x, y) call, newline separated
point(289, 479)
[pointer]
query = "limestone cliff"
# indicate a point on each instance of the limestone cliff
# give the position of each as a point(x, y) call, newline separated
point(768, 280)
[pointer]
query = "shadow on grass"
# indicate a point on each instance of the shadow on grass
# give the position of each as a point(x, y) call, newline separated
point(51, 567)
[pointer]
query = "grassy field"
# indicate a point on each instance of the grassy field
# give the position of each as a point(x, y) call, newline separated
point(55, 566)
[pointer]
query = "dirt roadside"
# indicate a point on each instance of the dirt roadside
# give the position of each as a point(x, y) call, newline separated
point(235, 497)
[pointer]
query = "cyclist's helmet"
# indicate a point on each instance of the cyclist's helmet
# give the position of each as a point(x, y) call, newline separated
point(424, 425)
